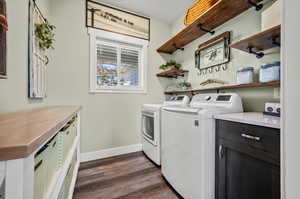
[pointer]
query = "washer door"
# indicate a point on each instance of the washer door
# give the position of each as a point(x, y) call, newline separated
point(182, 153)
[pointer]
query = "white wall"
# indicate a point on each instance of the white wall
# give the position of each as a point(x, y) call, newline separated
point(13, 90)
point(108, 120)
point(241, 26)
point(291, 98)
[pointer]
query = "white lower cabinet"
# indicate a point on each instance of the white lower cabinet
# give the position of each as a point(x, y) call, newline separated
point(41, 159)
point(61, 193)
point(2, 177)
point(67, 188)
point(55, 164)
point(40, 173)
point(2, 189)
point(48, 173)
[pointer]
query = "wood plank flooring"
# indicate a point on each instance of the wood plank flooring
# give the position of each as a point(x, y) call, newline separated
point(130, 176)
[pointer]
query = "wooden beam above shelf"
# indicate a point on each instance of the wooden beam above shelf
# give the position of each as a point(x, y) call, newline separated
point(217, 15)
point(256, 84)
point(261, 41)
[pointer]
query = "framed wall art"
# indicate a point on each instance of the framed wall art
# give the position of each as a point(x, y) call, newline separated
point(3, 30)
point(111, 19)
point(214, 52)
point(37, 58)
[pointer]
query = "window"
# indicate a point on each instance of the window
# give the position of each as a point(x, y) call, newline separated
point(118, 63)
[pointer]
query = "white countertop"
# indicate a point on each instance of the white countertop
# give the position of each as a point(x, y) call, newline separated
point(254, 118)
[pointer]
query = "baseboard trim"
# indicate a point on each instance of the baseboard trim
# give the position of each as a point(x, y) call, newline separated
point(107, 153)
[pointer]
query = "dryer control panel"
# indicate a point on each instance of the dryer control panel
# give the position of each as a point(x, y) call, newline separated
point(179, 100)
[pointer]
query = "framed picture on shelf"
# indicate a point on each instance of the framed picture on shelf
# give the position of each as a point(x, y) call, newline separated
point(111, 19)
point(3, 30)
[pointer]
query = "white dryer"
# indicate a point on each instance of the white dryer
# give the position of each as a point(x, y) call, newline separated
point(151, 125)
point(188, 143)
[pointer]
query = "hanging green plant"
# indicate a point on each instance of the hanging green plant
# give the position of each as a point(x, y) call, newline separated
point(45, 35)
point(170, 64)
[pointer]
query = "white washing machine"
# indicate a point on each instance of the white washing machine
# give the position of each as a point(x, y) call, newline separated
point(151, 126)
point(188, 143)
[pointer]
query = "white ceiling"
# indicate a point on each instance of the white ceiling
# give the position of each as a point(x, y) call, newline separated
point(166, 10)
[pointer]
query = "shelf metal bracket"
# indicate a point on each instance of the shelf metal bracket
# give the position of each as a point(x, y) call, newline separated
point(177, 48)
point(200, 25)
point(258, 55)
point(258, 7)
point(275, 42)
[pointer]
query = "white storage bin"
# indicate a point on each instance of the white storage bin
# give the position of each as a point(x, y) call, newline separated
point(245, 75)
point(269, 72)
point(66, 139)
point(53, 159)
point(40, 172)
point(74, 131)
point(271, 16)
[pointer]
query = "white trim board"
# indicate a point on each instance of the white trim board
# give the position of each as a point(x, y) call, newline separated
point(107, 153)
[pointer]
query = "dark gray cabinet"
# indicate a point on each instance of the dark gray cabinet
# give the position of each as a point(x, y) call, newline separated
point(247, 161)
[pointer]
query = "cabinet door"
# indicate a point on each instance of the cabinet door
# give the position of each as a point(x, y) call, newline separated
point(241, 176)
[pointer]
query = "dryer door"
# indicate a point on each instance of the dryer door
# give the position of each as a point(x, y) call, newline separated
point(148, 126)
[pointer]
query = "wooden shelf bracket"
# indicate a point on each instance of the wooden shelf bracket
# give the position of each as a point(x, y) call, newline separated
point(257, 7)
point(177, 48)
point(200, 25)
point(258, 55)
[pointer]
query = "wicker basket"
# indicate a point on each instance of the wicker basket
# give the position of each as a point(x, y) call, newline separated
point(197, 9)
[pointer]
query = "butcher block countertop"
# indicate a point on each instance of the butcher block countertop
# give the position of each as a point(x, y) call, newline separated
point(24, 132)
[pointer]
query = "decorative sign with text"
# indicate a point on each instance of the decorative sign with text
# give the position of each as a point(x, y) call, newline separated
point(111, 19)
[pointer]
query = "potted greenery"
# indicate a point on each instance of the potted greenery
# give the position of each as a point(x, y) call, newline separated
point(184, 85)
point(170, 64)
point(44, 33)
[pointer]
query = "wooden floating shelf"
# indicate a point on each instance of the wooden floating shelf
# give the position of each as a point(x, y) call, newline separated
point(256, 84)
point(217, 15)
point(172, 73)
point(260, 41)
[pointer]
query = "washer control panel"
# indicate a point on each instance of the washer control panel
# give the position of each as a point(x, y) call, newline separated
point(229, 100)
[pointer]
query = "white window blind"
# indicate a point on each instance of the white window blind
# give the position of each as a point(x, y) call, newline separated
point(117, 65)
point(107, 54)
point(130, 66)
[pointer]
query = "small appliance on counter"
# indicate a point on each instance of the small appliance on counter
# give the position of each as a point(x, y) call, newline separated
point(245, 75)
point(272, 109)
point(269, 72)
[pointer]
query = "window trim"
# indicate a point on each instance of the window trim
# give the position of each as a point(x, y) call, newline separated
point(94, 34)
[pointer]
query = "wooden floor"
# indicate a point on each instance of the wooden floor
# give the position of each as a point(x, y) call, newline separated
point(130, 176)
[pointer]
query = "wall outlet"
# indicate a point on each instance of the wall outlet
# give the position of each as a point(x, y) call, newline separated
point(277, 93)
